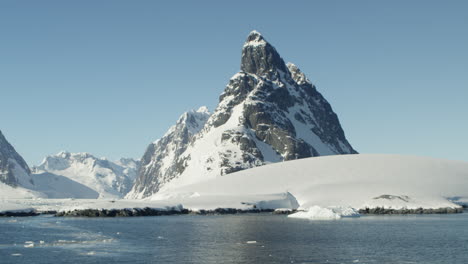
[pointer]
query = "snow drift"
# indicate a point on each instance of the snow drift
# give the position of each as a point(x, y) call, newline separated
point(357, 181)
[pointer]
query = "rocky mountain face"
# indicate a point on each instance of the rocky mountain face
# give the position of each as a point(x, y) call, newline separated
point(13, 169)
point(106, 178)
point(161, 163)
point(269, 112)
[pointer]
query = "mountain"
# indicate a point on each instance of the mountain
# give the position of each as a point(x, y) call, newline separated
point(13, 169)
point(96, 177)
point(269, 112)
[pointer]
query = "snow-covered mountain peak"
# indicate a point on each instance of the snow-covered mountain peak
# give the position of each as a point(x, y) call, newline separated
point(191, 121)
point(203, 109)
point(261, 58)
point(255, 38)
point(63, 154)
point(65, 159)
point(72, 156)
point(254, 33)
point(267, 113)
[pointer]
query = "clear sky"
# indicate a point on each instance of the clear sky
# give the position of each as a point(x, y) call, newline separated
point(109, 77)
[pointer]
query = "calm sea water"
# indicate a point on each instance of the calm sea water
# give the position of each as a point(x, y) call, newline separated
point(230, 239)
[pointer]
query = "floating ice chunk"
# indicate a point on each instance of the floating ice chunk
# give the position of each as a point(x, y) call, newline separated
point(320, 213)
point(29, 245)
point(16, 254)
point(90, 253)
point(345, 211)
point(251, 242)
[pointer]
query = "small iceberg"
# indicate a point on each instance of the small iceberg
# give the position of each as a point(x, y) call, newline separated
point(28, 244)
point(331, 213)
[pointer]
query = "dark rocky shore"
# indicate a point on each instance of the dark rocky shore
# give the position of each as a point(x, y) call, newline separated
point(128, 212)
point(381, 211)
point(223, 211)
point(155, 212)
point(18, 214)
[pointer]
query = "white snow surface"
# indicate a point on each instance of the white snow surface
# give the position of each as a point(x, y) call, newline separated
point(14, 207)
point(356, 181)
point(57, 186)
point(59, 205)
point(196, 201)
point(328, 187)
point(190, 201)
point(22, 176)
point(9, 192)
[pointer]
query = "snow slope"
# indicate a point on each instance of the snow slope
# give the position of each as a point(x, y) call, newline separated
point(195, 203)
point(10, 192)
point(56, 186)
point(328, 187)
point(104, 177)
point(357, 181)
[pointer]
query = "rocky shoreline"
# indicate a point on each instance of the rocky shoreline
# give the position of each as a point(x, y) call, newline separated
point(225, 211)
point(147, 211)
point(127, 212)
point(19, 214)
point(385, 211)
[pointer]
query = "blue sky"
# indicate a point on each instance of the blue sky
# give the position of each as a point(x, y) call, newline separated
point(109, 77)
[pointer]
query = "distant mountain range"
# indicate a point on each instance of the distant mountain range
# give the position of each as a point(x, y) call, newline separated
point(65, 175)
point(105, 178)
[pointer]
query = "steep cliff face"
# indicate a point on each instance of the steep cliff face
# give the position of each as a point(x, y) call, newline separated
point(162, 160)
point(269, 112)
point(13, 169)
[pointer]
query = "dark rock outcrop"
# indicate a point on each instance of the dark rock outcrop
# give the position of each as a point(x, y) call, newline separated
point(13, 169)
point(381, 210)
